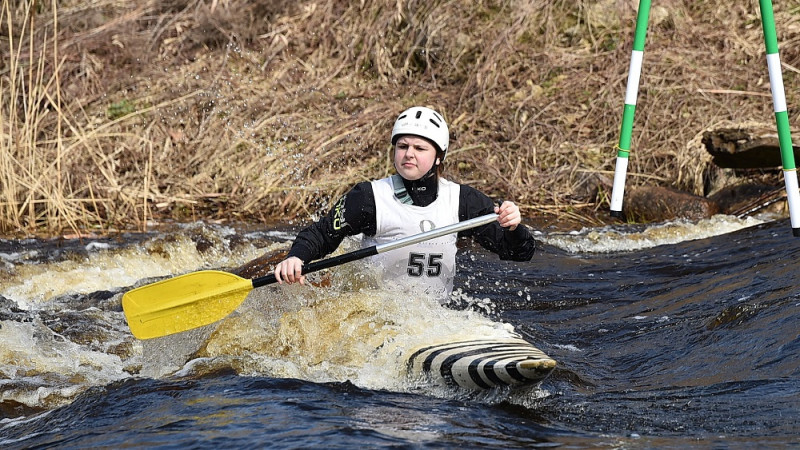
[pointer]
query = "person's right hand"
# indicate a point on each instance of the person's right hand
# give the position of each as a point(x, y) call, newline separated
point(290, 270)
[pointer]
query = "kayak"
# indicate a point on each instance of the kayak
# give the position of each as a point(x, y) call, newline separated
point(481, 364)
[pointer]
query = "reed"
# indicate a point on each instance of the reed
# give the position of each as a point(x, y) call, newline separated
point(116, 114)
point(37, 153)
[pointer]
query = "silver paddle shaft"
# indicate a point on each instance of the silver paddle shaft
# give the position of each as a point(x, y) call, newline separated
point(436, 232)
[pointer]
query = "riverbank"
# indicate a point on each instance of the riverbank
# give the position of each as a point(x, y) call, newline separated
point(115, 114)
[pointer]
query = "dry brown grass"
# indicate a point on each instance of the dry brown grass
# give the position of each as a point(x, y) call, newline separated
point(113, 113)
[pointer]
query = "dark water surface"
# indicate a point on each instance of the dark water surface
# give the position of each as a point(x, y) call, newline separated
point(665, 338)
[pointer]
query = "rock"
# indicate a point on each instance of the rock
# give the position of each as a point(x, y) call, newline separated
point(745, 147)
point(732, 198)
point(746, 199)
point(589, 184)
point(260, 266)
point(658, 204)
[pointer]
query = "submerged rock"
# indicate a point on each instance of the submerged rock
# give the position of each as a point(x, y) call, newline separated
point(657, 204)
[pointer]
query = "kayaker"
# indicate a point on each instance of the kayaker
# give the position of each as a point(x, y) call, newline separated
point(414, 200)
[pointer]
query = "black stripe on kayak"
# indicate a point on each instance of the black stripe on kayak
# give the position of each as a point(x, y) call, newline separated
point(443, 347)
point(446, 367)
point(511, 369)
point(521, 348)
point(489, 368)
point(490, 374)
point(426, 366)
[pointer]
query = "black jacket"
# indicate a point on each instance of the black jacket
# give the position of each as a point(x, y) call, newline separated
point(354, 213)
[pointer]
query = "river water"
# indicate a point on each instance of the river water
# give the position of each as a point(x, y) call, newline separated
point(671, 335)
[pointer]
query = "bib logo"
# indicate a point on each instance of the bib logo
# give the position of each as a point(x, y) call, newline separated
point(338, 215)
point(426, 225)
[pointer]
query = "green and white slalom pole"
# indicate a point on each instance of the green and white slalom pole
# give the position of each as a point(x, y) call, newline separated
point(781, 115)
point(631, 93)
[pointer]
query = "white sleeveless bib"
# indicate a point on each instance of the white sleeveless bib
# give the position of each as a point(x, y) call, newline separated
point(428, 266)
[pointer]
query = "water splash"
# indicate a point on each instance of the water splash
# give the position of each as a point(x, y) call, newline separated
point(194, 247)
point(616, 239)
point(325, 334)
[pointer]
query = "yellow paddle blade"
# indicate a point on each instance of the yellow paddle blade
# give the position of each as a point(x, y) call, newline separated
point(183, 303)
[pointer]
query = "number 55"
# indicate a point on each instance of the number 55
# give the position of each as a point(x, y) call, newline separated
point(420, 263)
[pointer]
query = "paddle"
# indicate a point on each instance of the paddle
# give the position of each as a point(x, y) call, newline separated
point(201, 298)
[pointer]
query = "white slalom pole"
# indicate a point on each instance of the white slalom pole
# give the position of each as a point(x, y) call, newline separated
point(631, 93)
point(781, 114)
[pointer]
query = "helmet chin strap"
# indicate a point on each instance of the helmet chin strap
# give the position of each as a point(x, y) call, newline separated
point(432, 172)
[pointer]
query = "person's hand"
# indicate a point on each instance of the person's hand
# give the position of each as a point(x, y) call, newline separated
point(290, 270)
point(508, 215)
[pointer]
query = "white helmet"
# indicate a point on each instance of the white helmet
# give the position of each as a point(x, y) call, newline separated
point(423, 122)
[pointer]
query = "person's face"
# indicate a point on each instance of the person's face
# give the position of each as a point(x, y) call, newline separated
point(413, 157)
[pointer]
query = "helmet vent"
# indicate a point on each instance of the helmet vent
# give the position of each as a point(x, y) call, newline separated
point(425, 123)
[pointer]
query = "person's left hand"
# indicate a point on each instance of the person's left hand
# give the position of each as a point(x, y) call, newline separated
point(508, 215)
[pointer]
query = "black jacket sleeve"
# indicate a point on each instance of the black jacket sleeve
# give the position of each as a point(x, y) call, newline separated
point(517, 245)
point(353, 214)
